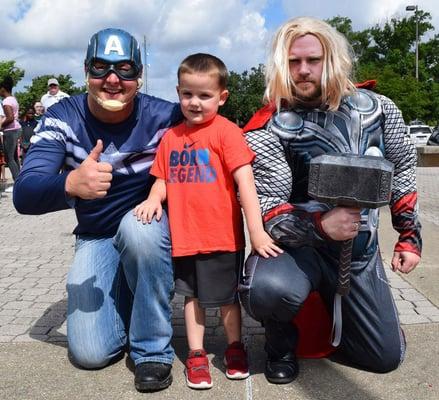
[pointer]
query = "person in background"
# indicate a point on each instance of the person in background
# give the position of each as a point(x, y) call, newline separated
point(2, 115)
point(28, 124)
point(93, 152)
point(53, 95)
point(3, 179)
point(39, 110)
point(11, 127)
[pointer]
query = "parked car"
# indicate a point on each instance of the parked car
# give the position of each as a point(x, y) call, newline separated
point(419, 133)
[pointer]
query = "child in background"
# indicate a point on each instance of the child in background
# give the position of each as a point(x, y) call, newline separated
point(197, 167)
point(28, 124)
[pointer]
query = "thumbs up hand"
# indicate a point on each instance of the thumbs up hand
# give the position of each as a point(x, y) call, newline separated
point(92, 179)
point(96, 151)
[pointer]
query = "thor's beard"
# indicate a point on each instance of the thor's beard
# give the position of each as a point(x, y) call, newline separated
point(308, 95)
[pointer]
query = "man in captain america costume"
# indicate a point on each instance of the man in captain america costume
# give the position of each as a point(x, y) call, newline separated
point(93, 152)
point(314, 108)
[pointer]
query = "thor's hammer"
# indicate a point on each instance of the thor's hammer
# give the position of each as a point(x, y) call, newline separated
point(350, 180)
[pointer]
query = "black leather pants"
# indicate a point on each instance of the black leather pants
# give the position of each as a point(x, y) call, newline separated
point(273, 290)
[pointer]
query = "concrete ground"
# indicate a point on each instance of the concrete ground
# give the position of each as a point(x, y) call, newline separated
point(42, 371)
point(34, 257)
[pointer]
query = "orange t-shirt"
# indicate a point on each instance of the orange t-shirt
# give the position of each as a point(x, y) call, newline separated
point(197, 164)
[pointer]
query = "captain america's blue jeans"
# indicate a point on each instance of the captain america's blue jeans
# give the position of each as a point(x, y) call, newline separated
point(119, 295)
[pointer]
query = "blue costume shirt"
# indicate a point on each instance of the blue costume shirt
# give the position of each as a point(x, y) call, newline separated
point(64, 138)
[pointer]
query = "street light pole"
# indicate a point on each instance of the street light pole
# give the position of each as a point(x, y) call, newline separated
point(415, 9)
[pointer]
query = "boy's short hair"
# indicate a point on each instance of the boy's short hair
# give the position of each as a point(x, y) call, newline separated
point(207, 63)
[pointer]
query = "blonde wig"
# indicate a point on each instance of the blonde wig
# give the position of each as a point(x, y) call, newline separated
point(337, 63)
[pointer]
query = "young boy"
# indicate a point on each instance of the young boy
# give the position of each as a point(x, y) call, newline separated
point(197, 166)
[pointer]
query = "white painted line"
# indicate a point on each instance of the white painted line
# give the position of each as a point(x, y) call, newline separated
point(249, 380)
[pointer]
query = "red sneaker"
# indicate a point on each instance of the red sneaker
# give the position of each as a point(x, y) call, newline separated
point(197, 370)
point(235, 360)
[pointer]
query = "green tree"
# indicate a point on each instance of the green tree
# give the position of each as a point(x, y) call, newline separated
point(360, 41)
point(434, 95)
point(430, 55)
point(8, 68)
point(386, 53)
point(396, 38)
point(245, 95)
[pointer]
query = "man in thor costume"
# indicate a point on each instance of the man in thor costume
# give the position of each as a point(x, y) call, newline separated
point(313, 108)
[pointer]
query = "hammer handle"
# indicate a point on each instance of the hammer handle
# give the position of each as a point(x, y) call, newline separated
point(344, 274)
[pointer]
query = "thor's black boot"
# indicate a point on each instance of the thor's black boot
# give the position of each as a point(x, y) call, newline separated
point(281, 341)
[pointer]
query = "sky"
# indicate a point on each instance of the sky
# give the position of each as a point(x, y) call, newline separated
point(51, 36)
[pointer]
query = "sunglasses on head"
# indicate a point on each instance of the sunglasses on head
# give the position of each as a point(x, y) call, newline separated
point(124, 70)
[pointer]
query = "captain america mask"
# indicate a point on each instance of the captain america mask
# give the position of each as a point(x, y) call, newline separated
point(99, 69)
point(112, 51)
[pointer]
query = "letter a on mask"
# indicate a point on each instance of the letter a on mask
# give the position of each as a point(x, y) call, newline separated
point(113, 44)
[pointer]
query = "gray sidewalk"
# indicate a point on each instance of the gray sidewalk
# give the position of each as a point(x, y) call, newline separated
point(35, 254)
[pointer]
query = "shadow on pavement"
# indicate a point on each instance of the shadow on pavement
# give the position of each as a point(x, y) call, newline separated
point(46, 328)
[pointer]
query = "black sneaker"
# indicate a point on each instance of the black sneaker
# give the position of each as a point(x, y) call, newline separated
point(152, 376)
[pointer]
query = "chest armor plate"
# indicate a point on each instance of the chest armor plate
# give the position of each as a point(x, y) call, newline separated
point(356, 126)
